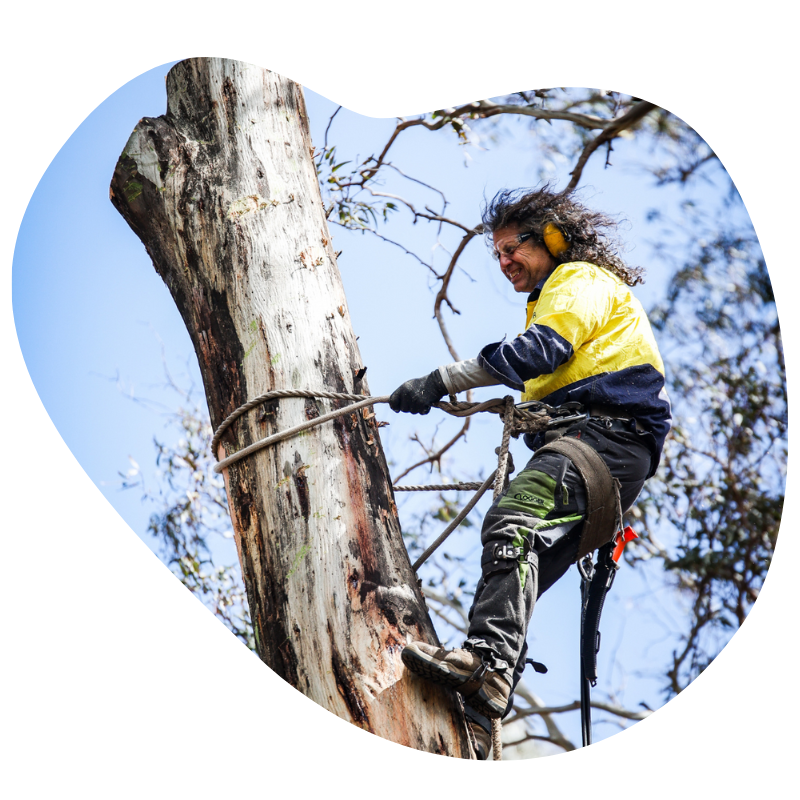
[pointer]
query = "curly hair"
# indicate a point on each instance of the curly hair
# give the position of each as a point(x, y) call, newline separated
point(590, 235)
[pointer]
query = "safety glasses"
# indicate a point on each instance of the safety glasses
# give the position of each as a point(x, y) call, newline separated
point(510, 248)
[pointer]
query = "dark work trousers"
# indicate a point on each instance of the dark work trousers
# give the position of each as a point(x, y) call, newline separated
point(542, 511)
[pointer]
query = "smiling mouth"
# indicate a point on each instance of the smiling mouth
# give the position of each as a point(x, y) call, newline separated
point(513, 275)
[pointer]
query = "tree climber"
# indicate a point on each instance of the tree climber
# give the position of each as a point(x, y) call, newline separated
point(587, 341)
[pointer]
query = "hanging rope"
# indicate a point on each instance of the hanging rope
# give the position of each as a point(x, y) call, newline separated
point(502, 456)
point(455, 523)
point(502, 463)
point(497, 742)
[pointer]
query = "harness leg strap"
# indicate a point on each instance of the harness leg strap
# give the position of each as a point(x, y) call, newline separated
point(603, 505)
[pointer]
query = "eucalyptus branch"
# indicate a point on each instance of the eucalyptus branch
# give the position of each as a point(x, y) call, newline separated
point(435, 458)
point(439, 218)
point(611, 131)
point(419, 214)
point(417, 180)
point(396, 244)
point(441, 296)
point(775, 334)
point(682, 174)
point(700, 621)
point(330, 122)
point(484, 109)
point(442, 616)
point(523, 692)
point(448, 601)
point(618, 711)
point(563, 743)
point(487, 108)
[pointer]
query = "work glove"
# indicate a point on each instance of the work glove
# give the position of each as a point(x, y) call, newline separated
point(419, 394)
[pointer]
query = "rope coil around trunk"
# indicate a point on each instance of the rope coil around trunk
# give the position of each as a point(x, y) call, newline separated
point(515, 421)
point(524, 421)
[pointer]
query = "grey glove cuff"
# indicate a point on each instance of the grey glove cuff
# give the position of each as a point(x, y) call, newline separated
point(463, 375)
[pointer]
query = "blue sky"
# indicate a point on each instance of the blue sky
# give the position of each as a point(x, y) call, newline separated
point(94, 321)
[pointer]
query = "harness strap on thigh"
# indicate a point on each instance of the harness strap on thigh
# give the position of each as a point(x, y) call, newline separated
point(603, 505)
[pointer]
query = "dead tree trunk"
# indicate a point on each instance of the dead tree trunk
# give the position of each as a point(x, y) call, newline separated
point(223, 193)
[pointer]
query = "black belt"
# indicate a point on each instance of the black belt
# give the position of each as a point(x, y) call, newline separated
point(614, 419)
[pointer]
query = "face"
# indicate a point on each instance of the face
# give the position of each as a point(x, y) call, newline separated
point(525, 264)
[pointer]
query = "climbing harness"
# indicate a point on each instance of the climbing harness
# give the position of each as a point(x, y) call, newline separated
point(602, 531)
point(596, 580)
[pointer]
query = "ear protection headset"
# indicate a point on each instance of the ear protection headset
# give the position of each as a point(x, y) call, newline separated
point(554, 239)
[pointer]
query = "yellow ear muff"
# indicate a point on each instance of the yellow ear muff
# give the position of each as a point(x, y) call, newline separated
point(554, 240)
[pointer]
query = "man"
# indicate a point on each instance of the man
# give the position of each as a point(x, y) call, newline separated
point(587, 340)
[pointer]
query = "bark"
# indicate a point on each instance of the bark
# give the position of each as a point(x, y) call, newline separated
point(223, 193)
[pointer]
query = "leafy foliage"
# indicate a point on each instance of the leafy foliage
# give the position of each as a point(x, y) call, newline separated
point(191, 513)
point(719, 492)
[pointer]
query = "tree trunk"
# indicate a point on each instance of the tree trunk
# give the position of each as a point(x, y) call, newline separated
point(223, 193)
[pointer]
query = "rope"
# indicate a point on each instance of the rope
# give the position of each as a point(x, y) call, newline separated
point(439, 487)
point(273, 395)
point(289, 432)
point(502, 458)
point(499, 486)
point(524, 421)
point(497, 743)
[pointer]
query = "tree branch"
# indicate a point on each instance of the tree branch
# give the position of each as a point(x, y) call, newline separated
point(431, 216)
point(522, 691)
point(396, 244)
point(441, 296)
point(485, 109)
point(330, 121)
point(435, 458)
point(447, 601)
point(638, 112)
point(618, 711)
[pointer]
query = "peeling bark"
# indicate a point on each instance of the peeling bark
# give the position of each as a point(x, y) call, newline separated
point(223, 193)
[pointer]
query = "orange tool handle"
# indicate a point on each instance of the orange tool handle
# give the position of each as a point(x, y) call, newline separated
point(623, 537)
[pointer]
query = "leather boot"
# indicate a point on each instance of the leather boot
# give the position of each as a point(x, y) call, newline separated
point(480, 678)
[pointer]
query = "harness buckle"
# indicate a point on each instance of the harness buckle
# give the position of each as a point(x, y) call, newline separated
point(506, 551)
point(509, 551)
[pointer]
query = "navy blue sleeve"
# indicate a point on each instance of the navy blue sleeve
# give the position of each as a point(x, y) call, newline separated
point(538, 351)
